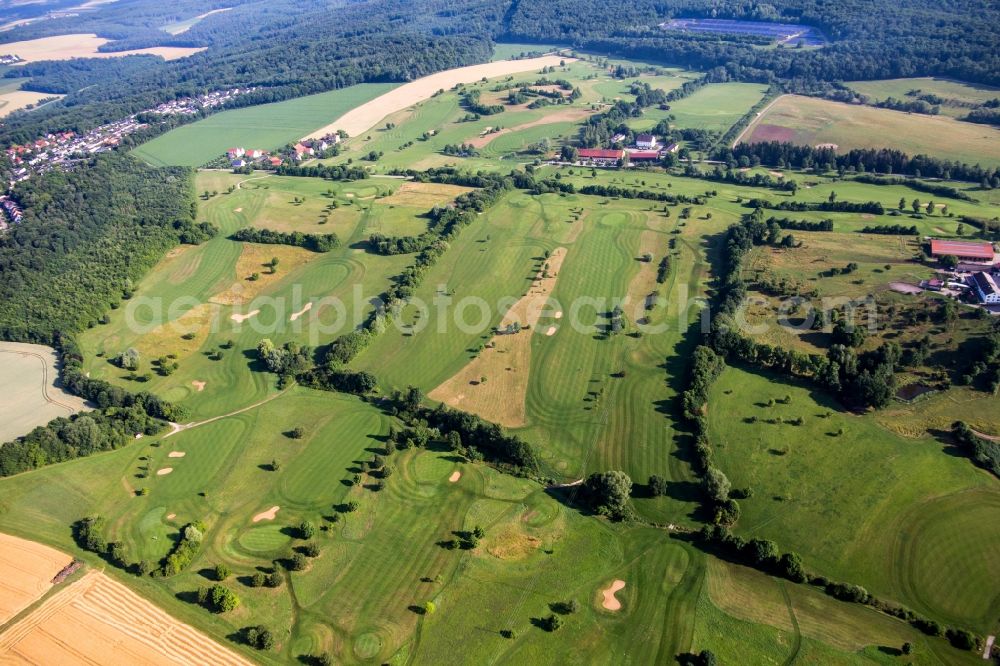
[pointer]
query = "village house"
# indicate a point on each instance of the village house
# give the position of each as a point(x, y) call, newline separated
point(672, 147)
point(985, 286)
point(645, 141)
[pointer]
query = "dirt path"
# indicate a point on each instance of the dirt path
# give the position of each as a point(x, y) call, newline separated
point(359, 120)
point(239, 185)
point(989, 646)
point(177, 427)
point(759, 115)
point(992, 438)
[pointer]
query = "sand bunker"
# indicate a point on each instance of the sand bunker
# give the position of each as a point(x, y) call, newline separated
point(26, 572)
point(611, 602)
point(240, 318)
point(558, 315)
point(171, 516)
point(199, 386)
point(505, 363)
point(237, 210)
point(455, 476)
point(361, 119)
point(97, 620)
point(296, 315)
point(164, 471)
point(551, 330)
point(266, 515)
point(176, 454)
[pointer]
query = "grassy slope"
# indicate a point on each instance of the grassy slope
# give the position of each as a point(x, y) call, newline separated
point(200, 274)
point(893, 511)
point(265, 127)
point(814, 121)
point(949, 89)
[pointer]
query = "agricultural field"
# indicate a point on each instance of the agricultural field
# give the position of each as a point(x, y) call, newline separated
point(958, 95)
point(813, 121)
point(28, 382)
point(416, 136)
point(265, 127)
point(67, 47)
point(717, 106)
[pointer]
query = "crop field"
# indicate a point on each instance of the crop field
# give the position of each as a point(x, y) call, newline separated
point(811, 121)
point(28, 378)
point(955, 93)
point(67, 47)
point(264, 127)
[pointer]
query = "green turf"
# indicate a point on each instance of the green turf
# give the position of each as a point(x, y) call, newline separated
point(264, 127)
point(717, 106)
point(892, 509)
point(955, 93)
point(513, 50)
point(813, 121)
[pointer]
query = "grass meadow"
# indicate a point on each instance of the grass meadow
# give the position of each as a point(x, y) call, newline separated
point(949, 89)
point(812, 121)
point(265, 127)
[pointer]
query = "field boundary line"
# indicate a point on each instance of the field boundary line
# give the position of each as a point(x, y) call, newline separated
point(760, 114)
point(45, 377)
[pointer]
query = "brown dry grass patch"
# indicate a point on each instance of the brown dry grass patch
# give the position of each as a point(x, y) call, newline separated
point(97, 620)
point(26, 572)
point(252, 260)
point(424, 195)
point(566, 115)
point(506, 362)
point(512, 543)
point(168, 338)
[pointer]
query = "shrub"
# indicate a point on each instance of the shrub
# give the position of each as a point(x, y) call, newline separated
point(222, 599)
point(221, 572)
point(259, 637)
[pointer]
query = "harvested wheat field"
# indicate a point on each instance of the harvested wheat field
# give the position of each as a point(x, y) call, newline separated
point(505, 362)
point(361, 119)
point(67, 47)
point(26, 572)
point(253, 261)
point(97, 620)
point(424, 195)
point(18, 99)
point(28, 382)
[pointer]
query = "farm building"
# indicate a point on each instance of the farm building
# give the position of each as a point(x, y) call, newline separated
point(643, 155)
point(968, 250)
point(986, 288)
point(672, 147)
point(601, 156)
point(645, 141)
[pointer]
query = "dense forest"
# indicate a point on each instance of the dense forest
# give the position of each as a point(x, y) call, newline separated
point(87, 237)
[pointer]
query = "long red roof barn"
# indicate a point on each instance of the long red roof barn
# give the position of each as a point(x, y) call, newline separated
point(962, 249)
point(600, 154)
